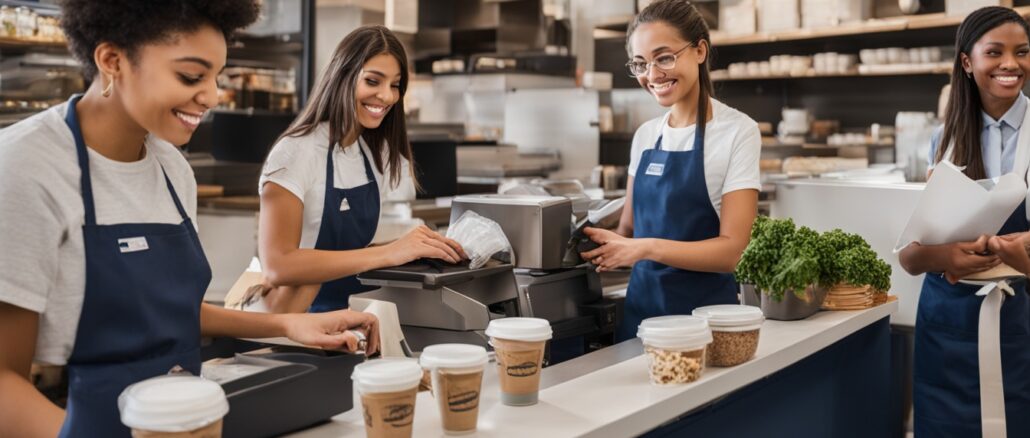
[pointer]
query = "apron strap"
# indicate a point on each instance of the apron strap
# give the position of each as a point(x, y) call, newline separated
point(992, 389)
point(699, 141)
point(71, 118)
point(175, 196)
point(329, 169)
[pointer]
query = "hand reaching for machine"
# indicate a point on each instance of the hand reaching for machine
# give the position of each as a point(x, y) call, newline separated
point(334, 330)
point(616, 251)
point(424, 243)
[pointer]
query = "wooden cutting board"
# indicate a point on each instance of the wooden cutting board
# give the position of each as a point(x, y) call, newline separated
point(999, 272)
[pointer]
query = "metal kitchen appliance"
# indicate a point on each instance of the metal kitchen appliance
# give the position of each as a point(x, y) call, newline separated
point(442, 303)
point(553, 283)
point(438, 302)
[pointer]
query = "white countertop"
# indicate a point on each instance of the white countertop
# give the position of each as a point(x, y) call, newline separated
point(618, 400)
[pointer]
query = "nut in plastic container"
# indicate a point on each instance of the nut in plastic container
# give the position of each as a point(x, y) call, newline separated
point(675, 346)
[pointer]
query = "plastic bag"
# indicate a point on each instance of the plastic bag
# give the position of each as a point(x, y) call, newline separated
point(480, 237)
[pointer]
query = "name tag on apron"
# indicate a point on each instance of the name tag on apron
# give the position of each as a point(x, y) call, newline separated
point(133, 244)
point(344, 205)
point(655, 169)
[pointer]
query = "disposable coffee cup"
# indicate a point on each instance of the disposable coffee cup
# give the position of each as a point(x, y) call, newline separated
point(387, 388)
point(457, 373)
point(519, 344)
point(174, 407)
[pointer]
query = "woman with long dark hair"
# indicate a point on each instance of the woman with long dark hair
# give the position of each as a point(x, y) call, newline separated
point(102, 270)
point(326, 178)
point(983, 125)
point(694, 178)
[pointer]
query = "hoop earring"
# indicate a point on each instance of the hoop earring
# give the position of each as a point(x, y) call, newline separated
point(108, 88)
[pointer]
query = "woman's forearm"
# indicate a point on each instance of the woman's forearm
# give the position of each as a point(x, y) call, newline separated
point(919, 259)
point(219, 322)
point(312, 266)
point(718, 254)
point(24, 411)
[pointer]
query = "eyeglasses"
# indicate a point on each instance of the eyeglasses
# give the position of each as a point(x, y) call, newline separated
point(665, 61)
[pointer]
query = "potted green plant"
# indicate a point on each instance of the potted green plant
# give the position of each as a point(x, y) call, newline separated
point(794, 267)
point(859, 278)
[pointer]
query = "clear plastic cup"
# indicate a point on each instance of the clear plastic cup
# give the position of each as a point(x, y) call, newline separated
point(675, 346)
point(519, 344)
point(387, 388)
point(735, 331)
point(457, 374)
point(174, 406)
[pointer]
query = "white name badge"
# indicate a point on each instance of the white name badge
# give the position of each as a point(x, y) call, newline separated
point(655, 169)
point(133, 244)
point(344, 205)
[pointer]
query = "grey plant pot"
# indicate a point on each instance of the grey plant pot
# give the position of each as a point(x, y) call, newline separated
point(793, 308)
point(749, 295)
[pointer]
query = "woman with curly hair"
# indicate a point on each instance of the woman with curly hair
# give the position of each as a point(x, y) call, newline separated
point(102, 269)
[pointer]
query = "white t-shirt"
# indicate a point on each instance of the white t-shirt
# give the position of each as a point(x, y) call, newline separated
point(42, 263)
point(733, 146)
point(298, 165)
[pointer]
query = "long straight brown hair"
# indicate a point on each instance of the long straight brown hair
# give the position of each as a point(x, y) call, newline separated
point(684, 17)
point(333, 100)
point(962, 121)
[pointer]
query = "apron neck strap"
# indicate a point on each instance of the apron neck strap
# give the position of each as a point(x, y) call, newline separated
point(330, 169)
point(699, 141)
point(71, 118)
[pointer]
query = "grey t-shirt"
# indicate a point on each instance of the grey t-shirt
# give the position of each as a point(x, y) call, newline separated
point(42, 262)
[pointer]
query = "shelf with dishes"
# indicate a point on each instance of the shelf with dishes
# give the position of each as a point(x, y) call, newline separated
point(900, 70)
point(890, 61)
point(876, 25)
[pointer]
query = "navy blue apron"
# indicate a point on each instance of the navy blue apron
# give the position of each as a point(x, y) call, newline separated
point(141, 312)
point(670, 201)
point(349, 221)
point(946, 389)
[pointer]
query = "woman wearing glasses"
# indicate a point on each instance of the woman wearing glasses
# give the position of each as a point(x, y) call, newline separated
point(694, 178)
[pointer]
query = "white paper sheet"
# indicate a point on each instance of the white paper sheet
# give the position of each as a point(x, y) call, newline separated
point(955, 208)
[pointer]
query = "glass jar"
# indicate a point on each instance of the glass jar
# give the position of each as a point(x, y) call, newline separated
point(26, 23)
point(8, 22)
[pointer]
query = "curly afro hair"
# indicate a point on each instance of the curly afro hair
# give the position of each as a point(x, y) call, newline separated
point(130, 24)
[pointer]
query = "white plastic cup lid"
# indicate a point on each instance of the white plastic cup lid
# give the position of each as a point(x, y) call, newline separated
point(172, 404)
point(520, 329)
point(731, 315)
point(387, 375)
point(453, 356)
point(675, 331)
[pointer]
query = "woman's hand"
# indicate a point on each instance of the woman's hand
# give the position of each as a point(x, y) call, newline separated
point(1013, 250)
point(967, 258)
point(616, 251)
point(334, 330)
point(424, 243)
